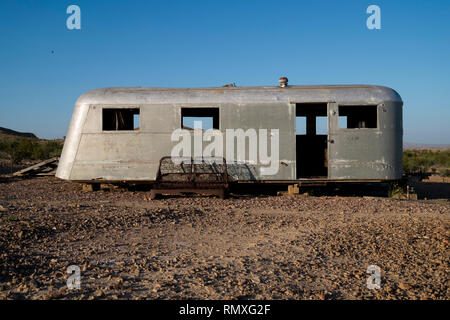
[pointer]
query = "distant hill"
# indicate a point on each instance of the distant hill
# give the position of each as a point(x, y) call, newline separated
point(409, 145)
point(9, 132)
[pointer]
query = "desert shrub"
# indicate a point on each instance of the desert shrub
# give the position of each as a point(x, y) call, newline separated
point(12, 150)
point(52, 149)
point(444, 172)
point(395, 191)
point(409, 164)
point(17, 150)
point(420, 161)
point(11, 218)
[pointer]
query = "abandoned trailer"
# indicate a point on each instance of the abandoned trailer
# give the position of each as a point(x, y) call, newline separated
point(126, 134)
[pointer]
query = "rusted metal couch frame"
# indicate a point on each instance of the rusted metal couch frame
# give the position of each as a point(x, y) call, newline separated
point(193, 182)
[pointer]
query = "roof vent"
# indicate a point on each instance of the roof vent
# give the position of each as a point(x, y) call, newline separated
point(230, 85)
point(283, 82)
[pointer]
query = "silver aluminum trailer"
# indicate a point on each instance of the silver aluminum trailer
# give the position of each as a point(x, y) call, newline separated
point(363, 142)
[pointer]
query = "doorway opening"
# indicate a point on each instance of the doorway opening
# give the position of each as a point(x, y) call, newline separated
point(311, 140)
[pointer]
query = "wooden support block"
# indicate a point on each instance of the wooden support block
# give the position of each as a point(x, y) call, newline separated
point(89, 187)
point(412, 196)
point(293, 189)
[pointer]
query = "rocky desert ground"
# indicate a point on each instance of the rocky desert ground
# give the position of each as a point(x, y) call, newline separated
point(242, 247)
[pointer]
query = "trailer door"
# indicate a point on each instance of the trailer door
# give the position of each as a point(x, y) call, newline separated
point(333, 137)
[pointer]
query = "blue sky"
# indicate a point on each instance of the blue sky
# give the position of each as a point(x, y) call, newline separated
point(211, 43)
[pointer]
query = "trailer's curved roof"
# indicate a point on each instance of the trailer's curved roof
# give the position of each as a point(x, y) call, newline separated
point(366, 94)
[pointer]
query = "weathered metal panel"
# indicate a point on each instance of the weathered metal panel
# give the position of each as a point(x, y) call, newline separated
point(368, 153)
point(270, 116)
point(333, 135)
point(120, 156)
point(70, 148)
point(348, 93)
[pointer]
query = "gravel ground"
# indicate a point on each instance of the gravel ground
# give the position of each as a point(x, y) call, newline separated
point(243, 247)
